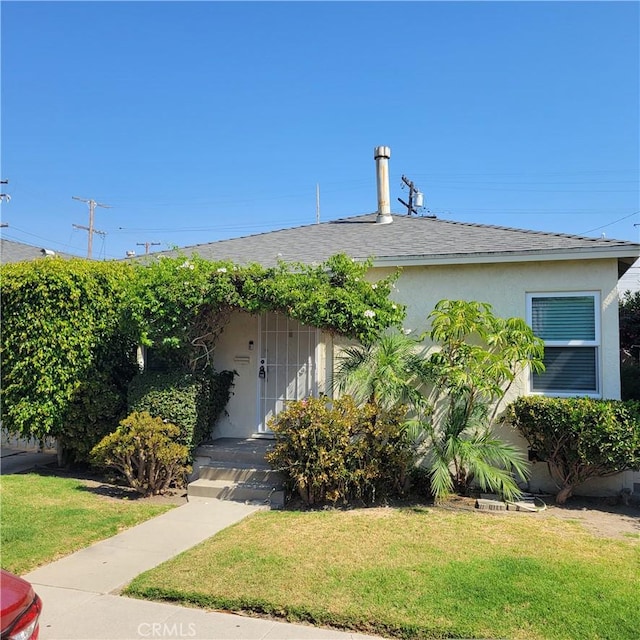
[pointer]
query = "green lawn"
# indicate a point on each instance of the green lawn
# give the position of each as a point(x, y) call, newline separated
point(415, 573)
point(46, 517)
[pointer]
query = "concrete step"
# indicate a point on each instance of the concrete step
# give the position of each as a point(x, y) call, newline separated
point(252, 492)
point(240, 473)
point(249, 451)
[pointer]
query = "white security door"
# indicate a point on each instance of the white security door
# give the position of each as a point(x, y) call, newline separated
point(287, 366)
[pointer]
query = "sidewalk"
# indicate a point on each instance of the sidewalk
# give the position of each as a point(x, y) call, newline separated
point(78, 591)
point(14, 459)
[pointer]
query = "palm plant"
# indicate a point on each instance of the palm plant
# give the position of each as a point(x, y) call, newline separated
point(463, 450)
point(386, 373)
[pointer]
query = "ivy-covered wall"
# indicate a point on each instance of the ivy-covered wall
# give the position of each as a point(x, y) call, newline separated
point(70, 327)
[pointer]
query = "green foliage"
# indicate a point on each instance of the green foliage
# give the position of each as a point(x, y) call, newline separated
point(339, 451)
point(96, 406)
point(63, 345)
point(184, 304)
point(71, 327)
point(453, 391)
point(580, 438)
point(192, 402)
point(630, 380)
point(463, 450)
point(145, 451)
point(478, 357)
point(386, 373)
point(630, 325)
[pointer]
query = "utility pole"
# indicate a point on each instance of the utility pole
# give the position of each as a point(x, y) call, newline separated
point(415, 197)
point(146, 246)
point(92, 208)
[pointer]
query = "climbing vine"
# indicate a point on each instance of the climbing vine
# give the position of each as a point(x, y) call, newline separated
point(70, 327)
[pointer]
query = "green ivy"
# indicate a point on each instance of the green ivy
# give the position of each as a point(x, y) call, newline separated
point(71, 327)
point(62, 335)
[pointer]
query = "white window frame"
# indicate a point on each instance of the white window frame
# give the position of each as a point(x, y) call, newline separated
point(596, 343)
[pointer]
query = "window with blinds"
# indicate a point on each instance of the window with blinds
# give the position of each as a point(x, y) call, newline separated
point(569, 326)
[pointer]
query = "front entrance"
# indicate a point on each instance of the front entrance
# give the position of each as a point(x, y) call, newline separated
point(287, 368)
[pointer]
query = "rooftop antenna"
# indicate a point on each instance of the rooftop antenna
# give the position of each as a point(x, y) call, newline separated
point(92, 208)
point(317, 204)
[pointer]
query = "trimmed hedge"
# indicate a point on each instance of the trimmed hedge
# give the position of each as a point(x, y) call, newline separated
point(580, 438)
point(193, 402)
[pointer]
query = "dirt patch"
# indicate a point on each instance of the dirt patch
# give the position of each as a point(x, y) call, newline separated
point(110, 487)
point(600, 516)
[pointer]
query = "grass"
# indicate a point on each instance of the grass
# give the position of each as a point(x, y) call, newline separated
point(46, 517)
point(414, 573)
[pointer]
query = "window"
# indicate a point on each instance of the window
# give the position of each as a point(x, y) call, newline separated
point(569, 324)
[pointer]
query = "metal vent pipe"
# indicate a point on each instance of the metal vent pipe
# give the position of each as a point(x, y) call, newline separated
point(381, 156)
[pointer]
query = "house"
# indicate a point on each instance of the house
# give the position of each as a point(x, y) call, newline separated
point(564, 285)
point(12, 251)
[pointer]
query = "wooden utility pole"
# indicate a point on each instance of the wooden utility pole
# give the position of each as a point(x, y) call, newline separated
point(146, 246)
point(413, 190)
point(92, 208)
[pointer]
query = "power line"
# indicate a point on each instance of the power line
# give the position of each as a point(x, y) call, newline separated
point(610, 223)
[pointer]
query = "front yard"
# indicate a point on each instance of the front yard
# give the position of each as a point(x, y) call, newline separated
point(419, 572)
point(47, 517)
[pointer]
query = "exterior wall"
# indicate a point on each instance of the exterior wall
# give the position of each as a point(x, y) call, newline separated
point(505, 286)
point(233, 353)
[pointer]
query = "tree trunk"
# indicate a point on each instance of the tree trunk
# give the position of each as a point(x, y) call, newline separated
point(564, 493)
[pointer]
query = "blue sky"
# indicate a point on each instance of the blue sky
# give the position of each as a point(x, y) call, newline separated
point(198, 121)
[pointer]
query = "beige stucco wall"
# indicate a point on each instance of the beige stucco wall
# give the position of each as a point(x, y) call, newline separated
point(233, 353)
point(504, 286)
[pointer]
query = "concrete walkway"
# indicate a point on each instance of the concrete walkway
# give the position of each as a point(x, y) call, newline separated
point(79, 592)
point(15, 459)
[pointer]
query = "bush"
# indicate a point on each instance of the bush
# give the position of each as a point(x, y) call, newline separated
point(193, 402)
point(580, 438)
point(630, 380)
point(144, 450)
point(96, 407)
point(334, 451)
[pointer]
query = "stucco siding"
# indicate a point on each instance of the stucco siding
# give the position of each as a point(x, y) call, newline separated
point(233, 353)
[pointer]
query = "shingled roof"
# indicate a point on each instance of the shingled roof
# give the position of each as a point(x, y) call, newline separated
point(409, 240)
point(12, 251)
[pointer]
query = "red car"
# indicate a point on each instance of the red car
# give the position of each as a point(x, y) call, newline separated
point(20, 608)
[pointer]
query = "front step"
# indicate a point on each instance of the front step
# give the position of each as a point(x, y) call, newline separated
point(230, 469)
point(237, 491)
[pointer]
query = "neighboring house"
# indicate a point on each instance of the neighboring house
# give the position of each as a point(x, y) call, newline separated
point(12, 251)
point(564, 286)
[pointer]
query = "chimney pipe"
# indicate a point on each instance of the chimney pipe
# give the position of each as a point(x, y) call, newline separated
point(381, 156)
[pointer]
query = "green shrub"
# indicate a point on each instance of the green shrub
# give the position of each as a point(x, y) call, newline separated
point(96, 407)
point(333, 451)
point(630, 380)
point(193, 402)
point(144, 450)
point(580, 438)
